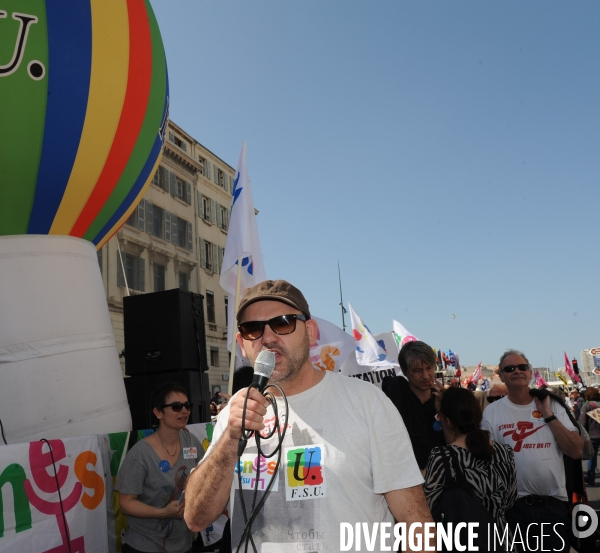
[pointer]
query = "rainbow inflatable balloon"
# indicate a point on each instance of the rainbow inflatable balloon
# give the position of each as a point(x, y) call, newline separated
point(83, 111)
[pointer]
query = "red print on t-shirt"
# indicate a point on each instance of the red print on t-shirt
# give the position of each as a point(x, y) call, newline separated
point(522, 431)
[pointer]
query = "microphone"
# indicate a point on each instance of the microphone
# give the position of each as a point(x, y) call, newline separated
point(263, 369)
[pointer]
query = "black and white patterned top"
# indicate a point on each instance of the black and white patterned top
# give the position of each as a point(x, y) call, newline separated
point(494, 482)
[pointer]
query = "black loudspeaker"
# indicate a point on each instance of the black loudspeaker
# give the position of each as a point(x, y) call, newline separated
point(140, 387)
point(164, 331)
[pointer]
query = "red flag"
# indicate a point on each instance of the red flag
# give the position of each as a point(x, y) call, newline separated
point(569, 370)
point(476, 376)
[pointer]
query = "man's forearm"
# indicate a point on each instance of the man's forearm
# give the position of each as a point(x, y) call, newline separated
point(409, 505)
point(570, 443)
point(208, 487)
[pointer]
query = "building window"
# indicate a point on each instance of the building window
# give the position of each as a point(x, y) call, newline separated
point(214, 356)
point(202, 163)
point(222, 217)
point(183, 281)
point(210, 256)
point(132, 221)
point(159, 277)
point(181, 232)
point(134, 272)
point(205, 208)
point(161, 178)
point(182, 190)
point(155, 217)
point(177, 141)
point(226, 311)
point(220, 178)
point(210, 307)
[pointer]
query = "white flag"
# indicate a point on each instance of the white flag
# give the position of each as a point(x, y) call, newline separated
point(242, 242)
point(375, 373)
point(402, 335)
point(369, 351)
point(331, 347)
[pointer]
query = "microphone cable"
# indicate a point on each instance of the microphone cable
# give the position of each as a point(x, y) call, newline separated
point(246, 537)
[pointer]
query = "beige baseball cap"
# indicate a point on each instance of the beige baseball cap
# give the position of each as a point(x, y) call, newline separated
point(277, 290)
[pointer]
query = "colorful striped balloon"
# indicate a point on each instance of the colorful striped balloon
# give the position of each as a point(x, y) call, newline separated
point(83, 111)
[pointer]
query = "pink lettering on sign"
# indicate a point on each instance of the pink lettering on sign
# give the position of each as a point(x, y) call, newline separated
point(46, 481)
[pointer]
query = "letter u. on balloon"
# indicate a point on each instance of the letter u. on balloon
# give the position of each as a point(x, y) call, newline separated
point(83, 108)
point(83, 111)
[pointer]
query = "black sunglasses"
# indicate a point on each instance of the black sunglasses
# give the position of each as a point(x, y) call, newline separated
point(491, 399)
point(284, 324)
point(178, 406)
point(512, 368)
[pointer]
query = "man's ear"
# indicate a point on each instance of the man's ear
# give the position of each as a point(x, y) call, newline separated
point(240, 341)
point(312, 328)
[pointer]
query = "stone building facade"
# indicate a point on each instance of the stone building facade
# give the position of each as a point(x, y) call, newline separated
point(175, 239)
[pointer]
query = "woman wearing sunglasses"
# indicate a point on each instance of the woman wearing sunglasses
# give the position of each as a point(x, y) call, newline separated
point(153, 476)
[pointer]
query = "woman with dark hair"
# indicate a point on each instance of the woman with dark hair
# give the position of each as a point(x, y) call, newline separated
point(488, 467)
point(592, 402)
point(153, 476)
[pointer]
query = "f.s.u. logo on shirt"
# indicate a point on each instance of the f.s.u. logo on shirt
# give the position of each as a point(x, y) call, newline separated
point(304, 473)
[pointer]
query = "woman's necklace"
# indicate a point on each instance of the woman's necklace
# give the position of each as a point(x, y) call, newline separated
point(163, 443)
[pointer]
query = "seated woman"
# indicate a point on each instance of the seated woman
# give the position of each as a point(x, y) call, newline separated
point(153, 476)
point(488, 467)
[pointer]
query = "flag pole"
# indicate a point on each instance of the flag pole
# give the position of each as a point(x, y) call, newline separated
point(236, 303)
point(341, 299)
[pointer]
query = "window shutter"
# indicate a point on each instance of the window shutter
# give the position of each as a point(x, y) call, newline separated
point(141, 219)
point(172, 183)
point(199, 202)
point(174, 228)
point(183, 146)
point(230, 183)
point(225, 219)
point(156, 178)
point(208, 169)
point(190, 241)
point(213, 216)
point(149, 218)
point(219, 215)
point(164, 179)
point(216, 175)
point(202, 254)
point(168, 226)
point(141, 283)
point(215, 250)
point(171, 136)
point(120, 277)
point(188, 193)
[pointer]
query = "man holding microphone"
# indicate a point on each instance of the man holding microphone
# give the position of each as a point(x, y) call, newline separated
point(345, 456)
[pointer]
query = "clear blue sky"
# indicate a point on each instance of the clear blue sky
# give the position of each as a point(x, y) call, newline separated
point(446, 153)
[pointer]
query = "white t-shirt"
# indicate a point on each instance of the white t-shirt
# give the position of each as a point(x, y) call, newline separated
point(345, 446)
point(538, 458)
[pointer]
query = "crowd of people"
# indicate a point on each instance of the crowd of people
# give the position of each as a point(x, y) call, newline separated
point(351, 453)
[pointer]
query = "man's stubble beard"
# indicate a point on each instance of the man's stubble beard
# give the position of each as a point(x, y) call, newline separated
point(293, 359)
